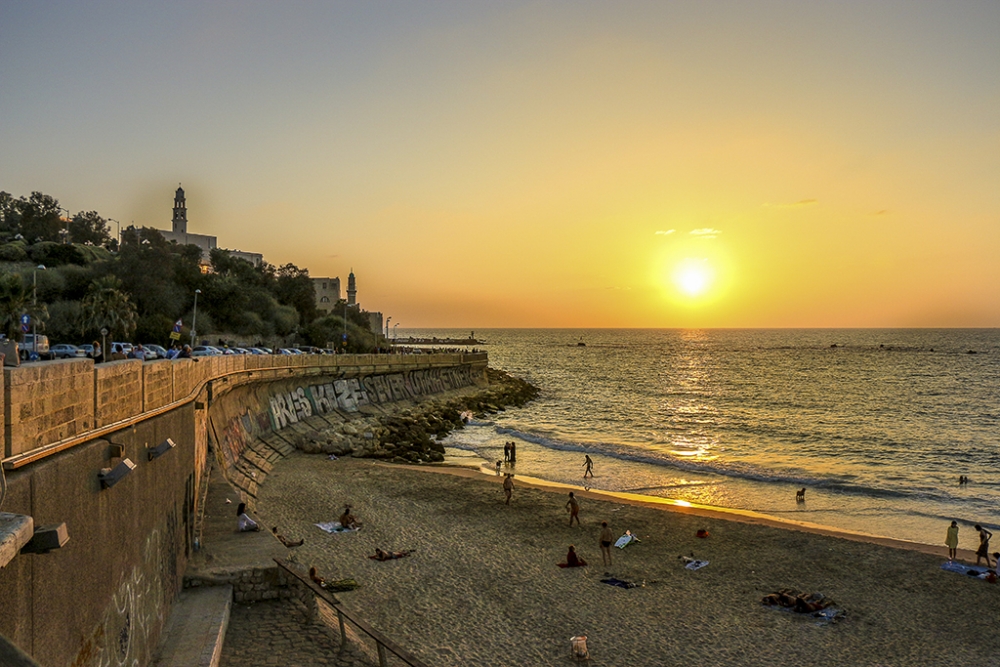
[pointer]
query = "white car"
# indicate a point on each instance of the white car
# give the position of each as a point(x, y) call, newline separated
point(206, 351)
point(66, 351)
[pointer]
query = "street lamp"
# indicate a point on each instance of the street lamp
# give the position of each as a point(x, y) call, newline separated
point(104, 345)
point(34, 307)
point(194, 318)
point(394, 330)
point(118, 231)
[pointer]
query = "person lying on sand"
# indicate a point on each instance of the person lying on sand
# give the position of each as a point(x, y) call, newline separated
point(572, 560)
point(348, 520)
point(391, 555)
point(284, 540)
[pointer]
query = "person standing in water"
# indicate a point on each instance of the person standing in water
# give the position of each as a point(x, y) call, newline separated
point(589, 465)
point(952, 540)
point(506, 452)
point(513, 453)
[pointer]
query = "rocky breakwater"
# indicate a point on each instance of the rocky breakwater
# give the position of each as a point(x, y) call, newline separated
point(411, 432)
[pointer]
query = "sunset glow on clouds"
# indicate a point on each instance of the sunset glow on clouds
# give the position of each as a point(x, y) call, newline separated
point(513, 164)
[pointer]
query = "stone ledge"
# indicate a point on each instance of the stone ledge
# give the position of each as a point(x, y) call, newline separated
point(15, 531)
point(196, 628)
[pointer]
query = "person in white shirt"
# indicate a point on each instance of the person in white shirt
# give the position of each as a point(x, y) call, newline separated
point(245, 523)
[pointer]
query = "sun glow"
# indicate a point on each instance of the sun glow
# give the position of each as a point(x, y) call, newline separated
point(693, 277)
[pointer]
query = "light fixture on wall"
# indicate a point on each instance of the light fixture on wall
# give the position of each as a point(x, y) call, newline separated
point(111, 476)
point(160, 449)
point(46, 538)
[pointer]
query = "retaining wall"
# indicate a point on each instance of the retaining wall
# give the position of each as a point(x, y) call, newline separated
point(103, 598)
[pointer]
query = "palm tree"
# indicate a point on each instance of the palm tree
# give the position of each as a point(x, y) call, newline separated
point(14, 301)
point(107, 306)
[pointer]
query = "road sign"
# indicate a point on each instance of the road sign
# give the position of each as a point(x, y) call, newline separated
point(25, 323)
point(177, 326)
point(175, 335)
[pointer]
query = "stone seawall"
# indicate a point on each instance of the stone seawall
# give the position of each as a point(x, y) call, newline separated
point(103, 597)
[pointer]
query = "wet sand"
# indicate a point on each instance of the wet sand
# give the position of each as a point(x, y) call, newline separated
point(483, 587)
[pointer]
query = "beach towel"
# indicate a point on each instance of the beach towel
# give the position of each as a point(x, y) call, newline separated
point(334, 527)
point(620, 583)
point(978, 571)
point(626, 539)
point(695, 564)
point(340, 585)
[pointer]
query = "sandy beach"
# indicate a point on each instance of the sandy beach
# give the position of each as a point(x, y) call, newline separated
point(483, 587)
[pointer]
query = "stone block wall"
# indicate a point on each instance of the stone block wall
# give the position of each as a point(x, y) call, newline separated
point(117, 391)
point(157, 384)
point(47, 402)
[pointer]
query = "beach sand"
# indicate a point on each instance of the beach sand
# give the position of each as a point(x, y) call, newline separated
point(483, 587)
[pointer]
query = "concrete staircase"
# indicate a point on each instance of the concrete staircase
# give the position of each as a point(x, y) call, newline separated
point(196, 628)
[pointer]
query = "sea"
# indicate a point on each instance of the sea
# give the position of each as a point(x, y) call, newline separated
point(876, 424)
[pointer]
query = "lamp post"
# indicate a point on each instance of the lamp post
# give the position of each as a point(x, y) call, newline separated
point(394, 330)
point(104, 344)
point(194, 318)
point(118, 231)
point(34, 307)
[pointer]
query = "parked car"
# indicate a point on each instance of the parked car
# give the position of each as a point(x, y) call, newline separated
point(28, 346)
point(88, 349)
point(206, 351)
point(66, 351)
point(258, 350)
point(159, 351)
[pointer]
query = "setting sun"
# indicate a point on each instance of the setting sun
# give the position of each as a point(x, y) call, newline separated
point(693, 277)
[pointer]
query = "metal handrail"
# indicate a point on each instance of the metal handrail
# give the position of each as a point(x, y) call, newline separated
point(381, 642)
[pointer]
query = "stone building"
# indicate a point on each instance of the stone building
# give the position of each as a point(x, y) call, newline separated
point(327, 293)
point(179, 234)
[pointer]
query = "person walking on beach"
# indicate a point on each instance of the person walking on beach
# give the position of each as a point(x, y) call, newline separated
point(589, 465)
point(952, 540)
point(984, 545)
point(573, 507)
point(508, 487)
point(606, 539)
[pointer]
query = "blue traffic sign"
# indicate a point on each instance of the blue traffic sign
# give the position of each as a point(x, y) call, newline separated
point(25, 319)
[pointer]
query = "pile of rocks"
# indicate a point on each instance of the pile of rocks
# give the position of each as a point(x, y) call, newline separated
point(412, 433)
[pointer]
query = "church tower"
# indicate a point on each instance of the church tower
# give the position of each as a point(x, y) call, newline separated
point(352, 290)
point(180, 222)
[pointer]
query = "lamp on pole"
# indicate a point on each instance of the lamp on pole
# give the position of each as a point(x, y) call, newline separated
point(394, 330)
point(118, 231)
point(104, 344)
point(194, 318)
point(34, 307)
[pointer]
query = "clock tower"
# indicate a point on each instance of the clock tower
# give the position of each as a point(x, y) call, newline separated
point(180, 222)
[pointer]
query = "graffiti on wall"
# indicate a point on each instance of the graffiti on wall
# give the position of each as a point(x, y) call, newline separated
point(239, 432)
point(127, 633)
point(349, 394)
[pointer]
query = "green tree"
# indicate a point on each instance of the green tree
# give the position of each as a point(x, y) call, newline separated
point(14, 300)
point(38, 218)
point(89, 227)
point(108, 306)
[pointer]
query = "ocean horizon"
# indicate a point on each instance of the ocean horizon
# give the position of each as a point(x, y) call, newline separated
point(876, 424)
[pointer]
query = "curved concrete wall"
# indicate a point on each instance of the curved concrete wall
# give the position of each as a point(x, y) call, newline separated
point(102, 599)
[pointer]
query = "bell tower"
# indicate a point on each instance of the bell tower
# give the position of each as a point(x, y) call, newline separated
point(352, 290)
point(180, 221)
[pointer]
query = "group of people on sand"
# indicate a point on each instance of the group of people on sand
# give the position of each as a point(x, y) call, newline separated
point(951, 540)
point(605, 541)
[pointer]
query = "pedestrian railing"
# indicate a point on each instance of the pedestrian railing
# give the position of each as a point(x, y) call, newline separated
point(382, 644)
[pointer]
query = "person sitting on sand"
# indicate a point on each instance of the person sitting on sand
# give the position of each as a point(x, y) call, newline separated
point(348, 521)
point(315, 577)
point(800, 495)
point(984, 545)
point(606, 540)
point(951, 539)
point(391, 555)
point(572, 560)
point(573, 507)
point(244, 523)
point(284, 540)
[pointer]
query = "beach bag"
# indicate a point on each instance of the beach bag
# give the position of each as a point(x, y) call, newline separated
point(578, 647)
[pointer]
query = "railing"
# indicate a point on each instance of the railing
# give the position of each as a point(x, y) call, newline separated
point(381, 643)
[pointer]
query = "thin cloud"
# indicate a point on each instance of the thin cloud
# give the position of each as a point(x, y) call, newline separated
point(705, 232)
point(665, 233)
point(799, 204)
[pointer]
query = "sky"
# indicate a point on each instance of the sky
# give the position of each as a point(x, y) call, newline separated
point(541, 164)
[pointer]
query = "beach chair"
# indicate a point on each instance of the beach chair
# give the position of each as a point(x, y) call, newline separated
point(578, 648)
